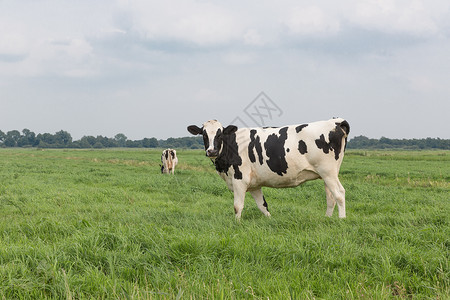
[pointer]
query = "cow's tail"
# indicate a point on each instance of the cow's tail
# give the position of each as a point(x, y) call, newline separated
point(346, 130)
point(345, 127)
point(169, 160)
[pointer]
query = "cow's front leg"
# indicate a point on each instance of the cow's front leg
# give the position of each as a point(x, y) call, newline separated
point(260, 201)
point(239, 197)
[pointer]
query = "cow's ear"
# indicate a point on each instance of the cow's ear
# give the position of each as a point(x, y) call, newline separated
point(230, 129)
point(193, 129)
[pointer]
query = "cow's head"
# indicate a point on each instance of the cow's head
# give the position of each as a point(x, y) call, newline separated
point(213, 135)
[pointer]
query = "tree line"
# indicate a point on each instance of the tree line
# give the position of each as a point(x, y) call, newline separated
point(63, 139)
point(362, 142)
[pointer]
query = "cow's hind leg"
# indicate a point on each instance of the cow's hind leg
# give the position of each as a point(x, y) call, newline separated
point(260, 201)
point(335, 194)
point(330, 201)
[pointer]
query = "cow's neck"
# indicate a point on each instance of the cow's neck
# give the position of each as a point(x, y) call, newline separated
point(224, 150)
point(229, 154)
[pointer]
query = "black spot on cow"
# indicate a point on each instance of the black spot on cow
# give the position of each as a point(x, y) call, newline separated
point(287, 150)
point(300, 127)
point(229, 156)
point(237, 172)
point(302, 147)
point(335, 139)
point(274, 146)
point(218, 139)
point(335, 136)
point(205, 139)
point(265, 203)
point(322, 144)
point(255, 143)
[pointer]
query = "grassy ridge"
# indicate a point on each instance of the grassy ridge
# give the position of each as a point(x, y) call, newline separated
point(107, 224)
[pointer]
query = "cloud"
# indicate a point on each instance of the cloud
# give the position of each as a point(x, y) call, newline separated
point(12, 58)
point(48, 37)
point(253, 37)
point(206, 96)
point(72, 32)
point(322, 52)
point(418, 18)
point(68, 57)
point(240, 57)
point(14, 45)
point(199, 23)
point(311, 21)
point(213, 26)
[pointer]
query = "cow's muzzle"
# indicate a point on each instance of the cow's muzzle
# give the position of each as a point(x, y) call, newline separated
point(212, 153)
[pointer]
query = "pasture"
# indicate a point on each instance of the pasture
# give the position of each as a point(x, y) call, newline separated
point(80, 224)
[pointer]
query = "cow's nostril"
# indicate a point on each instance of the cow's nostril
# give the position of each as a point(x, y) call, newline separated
point(211, 152)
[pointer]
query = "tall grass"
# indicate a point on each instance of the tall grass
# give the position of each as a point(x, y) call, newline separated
point(106, 224)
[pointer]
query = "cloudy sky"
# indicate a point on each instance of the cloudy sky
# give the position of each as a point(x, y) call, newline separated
point(150, 68)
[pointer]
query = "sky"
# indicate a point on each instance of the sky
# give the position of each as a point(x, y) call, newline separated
point(151, 68)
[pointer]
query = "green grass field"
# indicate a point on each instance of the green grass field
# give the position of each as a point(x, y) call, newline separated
point(82, 224)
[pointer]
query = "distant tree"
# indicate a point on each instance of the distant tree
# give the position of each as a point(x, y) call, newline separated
point(23, 142)
point(9, 142)
point(133, 144)
point(76, 145)
point(12, 137)
point(92, 140)
point(98, 145)
point(109, 143)
point(84, 143)
point(386, 141)
point(43, 144)
point(47, 138)
point(14, 134)
point(173, 143)
point(362, 142)
point(150, 143)
point(28, 138)
point(121, 139)
point(62, 138)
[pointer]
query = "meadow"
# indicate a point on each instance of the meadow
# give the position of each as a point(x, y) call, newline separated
point(105, 224)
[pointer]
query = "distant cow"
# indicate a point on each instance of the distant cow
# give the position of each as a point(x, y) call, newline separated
point(169, 160)
point(250, 158)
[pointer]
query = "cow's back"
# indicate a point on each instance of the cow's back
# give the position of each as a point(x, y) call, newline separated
point(287, 156)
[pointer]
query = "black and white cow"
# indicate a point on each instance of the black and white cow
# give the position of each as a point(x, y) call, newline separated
point(250, 158)
point(169, 160)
